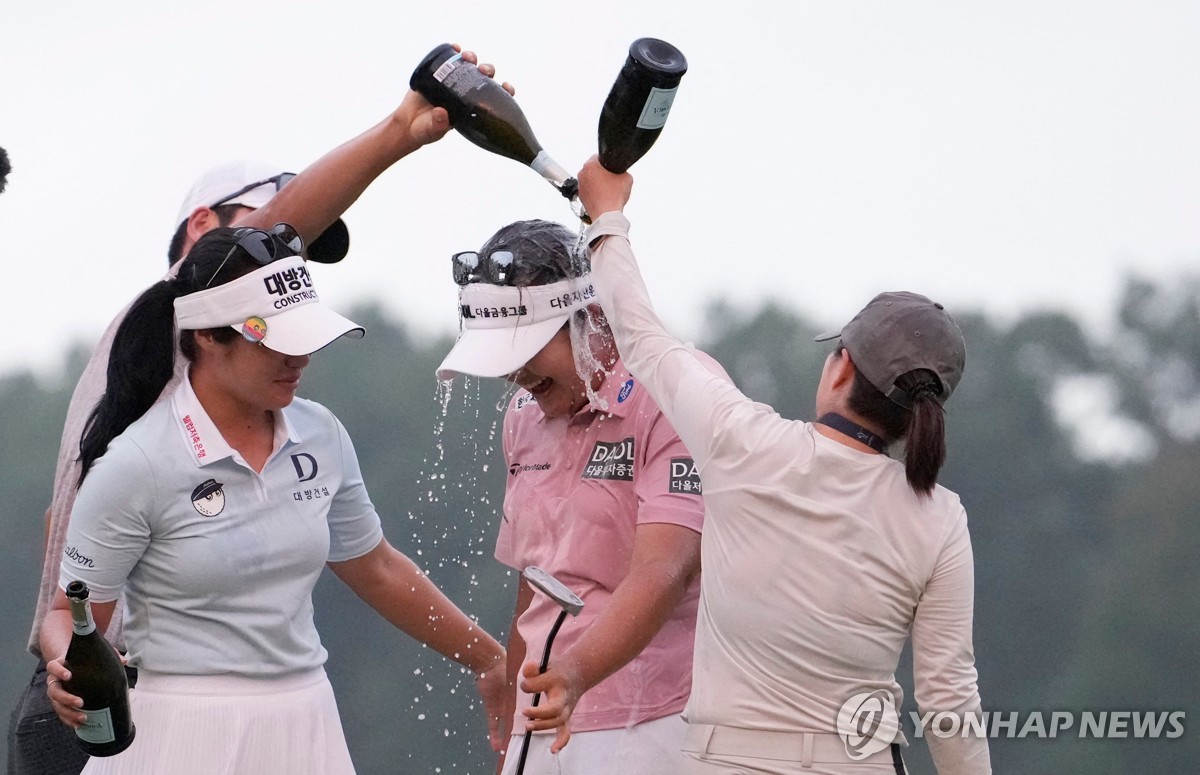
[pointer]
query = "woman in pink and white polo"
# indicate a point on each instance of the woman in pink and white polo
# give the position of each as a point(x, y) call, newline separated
point(602, 494)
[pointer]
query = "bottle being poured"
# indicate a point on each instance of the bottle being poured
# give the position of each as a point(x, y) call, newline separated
point(486, 114)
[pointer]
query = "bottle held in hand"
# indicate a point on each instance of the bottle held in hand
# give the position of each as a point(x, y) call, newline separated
point(484, 113)
point(97, 676)
point(639, 102)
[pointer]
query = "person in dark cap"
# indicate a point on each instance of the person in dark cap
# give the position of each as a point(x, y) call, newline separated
point(822, 554)
point(242, 193)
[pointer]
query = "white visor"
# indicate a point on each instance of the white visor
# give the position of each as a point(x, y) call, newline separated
point(276, 305)
point(503, 327)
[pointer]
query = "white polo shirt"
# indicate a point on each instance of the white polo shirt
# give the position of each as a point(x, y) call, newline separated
point(217, 561)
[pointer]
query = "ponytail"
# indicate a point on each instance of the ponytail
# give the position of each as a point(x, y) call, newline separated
point(140, 365)
point(923, 427)
point(925, 434)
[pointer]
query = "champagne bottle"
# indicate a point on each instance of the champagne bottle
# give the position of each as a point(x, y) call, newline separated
point(639, 102)
point(97, 676)
point(484, 113)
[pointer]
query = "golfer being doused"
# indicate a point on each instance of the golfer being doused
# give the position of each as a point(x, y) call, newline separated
point(600, 493)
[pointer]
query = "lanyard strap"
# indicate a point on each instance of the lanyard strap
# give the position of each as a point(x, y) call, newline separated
point(854, 431)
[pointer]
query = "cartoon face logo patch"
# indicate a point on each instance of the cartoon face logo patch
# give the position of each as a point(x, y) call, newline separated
point(254, 329)
point(209, 498)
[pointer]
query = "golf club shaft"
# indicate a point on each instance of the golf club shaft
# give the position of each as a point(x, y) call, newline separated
point(562, 615)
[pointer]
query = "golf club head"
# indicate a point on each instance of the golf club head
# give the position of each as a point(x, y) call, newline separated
point(554, 589)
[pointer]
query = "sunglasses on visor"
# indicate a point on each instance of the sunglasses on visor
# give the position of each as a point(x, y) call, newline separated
point(494, 269)
point(263, 247)
point(280, 180)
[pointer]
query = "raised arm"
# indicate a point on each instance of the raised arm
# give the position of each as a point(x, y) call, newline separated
point(696, 401)
point(326, 188)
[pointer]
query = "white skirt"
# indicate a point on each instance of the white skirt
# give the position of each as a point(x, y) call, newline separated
point(231, 725)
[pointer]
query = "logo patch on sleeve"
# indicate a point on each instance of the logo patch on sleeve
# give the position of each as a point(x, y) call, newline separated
point(684, 476)
point(611, 460)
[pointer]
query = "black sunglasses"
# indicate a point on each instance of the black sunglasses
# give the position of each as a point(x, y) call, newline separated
point(280, 180)
point(495, 268)
point(263, 247)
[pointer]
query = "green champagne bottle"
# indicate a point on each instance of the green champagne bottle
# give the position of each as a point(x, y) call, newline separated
point(484, 113)
point(97, 676)
point(639, 102)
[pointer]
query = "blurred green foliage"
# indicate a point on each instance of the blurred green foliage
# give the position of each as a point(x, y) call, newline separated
point(1083, 565)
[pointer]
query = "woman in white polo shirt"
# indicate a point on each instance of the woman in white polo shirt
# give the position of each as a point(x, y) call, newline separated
point(215, 510)
point(600, 493)
point(822, 555)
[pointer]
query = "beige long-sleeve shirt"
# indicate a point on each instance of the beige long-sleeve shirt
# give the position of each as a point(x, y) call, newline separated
point(819, 560)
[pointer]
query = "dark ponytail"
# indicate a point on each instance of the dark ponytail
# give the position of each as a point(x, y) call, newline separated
point(925, 434)
point(139, 367)
point(923, 427)
point(142, 360)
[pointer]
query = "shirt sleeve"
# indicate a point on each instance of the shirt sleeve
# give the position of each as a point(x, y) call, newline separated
point(109, 527)
point(944, 655)
point(354, 525)
point(668, 489)
point(699, 404)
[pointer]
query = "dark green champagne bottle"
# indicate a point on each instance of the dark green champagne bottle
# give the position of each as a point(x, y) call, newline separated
point(97, 676)
point(484, 113)
point(639, 102)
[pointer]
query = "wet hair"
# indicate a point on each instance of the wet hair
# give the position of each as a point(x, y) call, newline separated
point(142, 359)
point(225, 216)
point(923, 427)
point(544, 252)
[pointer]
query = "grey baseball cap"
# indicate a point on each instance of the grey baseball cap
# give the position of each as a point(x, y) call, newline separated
point(898, 332)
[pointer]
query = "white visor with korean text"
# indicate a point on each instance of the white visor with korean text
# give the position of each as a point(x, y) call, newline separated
point(276, 305)
point(503, 326)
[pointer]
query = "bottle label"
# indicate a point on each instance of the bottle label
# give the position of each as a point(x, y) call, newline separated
point(451, 63)
point(98, 727)
point(657, 108)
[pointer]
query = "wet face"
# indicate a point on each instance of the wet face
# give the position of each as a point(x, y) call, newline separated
point(551, 377)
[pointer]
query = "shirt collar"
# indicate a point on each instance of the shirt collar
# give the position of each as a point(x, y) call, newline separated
point(200, 434)
point(614, 395)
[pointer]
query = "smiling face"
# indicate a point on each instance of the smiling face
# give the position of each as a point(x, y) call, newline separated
point(552, 379)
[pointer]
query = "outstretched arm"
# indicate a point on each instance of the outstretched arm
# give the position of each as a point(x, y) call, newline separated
point(325, 189)
point(392, 584)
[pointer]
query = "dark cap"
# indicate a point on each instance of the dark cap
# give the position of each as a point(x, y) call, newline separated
point(899, 332)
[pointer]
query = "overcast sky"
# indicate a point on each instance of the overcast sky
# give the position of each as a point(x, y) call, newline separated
point(997, 156)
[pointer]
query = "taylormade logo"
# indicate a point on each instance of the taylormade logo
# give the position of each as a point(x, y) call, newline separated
point(517, 468)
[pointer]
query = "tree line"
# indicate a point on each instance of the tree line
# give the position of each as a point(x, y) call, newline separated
point(1076, 455)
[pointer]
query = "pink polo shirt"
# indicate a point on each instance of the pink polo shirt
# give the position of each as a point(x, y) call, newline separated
point(577, 489)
